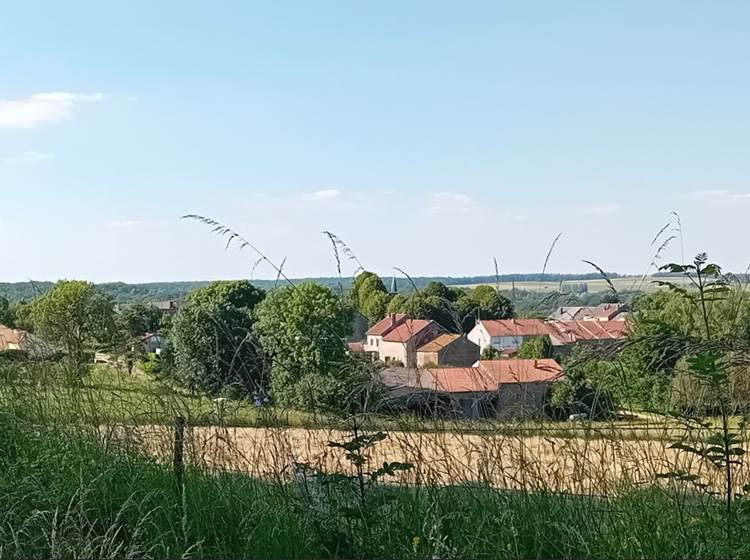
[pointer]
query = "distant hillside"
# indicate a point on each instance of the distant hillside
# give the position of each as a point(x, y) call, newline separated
point(161, 291)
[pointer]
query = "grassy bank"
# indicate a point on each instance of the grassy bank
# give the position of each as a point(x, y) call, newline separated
point(65, 495)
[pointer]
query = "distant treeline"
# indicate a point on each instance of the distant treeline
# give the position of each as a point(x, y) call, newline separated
point(163, 291)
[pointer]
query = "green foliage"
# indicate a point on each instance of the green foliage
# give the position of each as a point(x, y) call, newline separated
point(76, 316)
point(214, 349)
point(586, 388)
point(302, 329)
point(454, 309)
point(369, 296)
point(536, 347)
point(140, 318)
point(708, 369)
point(491, 353)
point(7, 313)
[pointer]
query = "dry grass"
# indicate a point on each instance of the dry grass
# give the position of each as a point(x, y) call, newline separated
point(539, 463)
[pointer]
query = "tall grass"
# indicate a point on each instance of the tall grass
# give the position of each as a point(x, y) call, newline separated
point(66, 495)
point(80, 481)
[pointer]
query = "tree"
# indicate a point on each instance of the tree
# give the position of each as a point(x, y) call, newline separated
point(492, 304)
point(7, 314)
point(140, 318)
point(369, 296)
point(76, 316)
point(484, 303)
point(375, 306)
point(302, 329)
point(214, 347)
point(535, 348)
point(491, 353)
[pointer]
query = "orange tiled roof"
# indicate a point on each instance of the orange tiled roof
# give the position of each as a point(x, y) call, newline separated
point(406, 330)
point(490, 375)
point(517, 327)
point(439, 343)
point(522, 371)
point(572, 331)
point(384, 326)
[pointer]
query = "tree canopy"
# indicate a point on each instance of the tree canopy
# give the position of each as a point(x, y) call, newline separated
point(76, 316)
point(302, 329)
point(214, 347)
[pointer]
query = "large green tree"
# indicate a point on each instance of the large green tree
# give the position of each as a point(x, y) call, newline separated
point(214, 346)
point(140, 318)
point(7, 315)
point(302, 329)
point(369, 296)
point(76, 316)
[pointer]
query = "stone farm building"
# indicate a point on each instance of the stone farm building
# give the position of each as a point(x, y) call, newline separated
point(493, 389)
point(603, 312)
point(448, 350)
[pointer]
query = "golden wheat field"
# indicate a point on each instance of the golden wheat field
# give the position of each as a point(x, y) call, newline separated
point(577, 465)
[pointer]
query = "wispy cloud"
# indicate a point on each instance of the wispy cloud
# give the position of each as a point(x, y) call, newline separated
point(718, 194)
point(326, 194)
point(450, 202)
point(28, 157)
point(41, 108)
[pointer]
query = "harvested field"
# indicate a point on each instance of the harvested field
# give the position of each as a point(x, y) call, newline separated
point(590, 466)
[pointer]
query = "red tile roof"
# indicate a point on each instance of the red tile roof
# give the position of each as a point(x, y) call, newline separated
point(384, 326)
point(11, 338)
point(459, 380)
point(355, 347)
point(406, 330)
point(603, 312)
point(573, 331)
point(490, 375)
point(517, 327)
point(522, 371)
point(437, 344)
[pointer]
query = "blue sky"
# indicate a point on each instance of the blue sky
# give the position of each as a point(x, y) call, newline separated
point(432, 136)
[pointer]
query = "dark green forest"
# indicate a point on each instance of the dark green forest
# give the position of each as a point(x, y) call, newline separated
point(162, 291)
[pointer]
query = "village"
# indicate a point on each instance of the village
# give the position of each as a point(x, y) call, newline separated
point(452, 374)
point(429, 370)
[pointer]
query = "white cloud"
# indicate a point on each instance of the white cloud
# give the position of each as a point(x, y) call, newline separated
point(326, 194)
point(709, 193)
point(450, 203)
point(718, 194)
point(29, 157)
point(41, 108)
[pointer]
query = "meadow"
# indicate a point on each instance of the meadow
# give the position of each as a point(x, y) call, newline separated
point(89, 472)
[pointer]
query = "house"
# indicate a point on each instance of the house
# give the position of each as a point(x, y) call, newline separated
point(599, 334)
point(399, 345)
point(19, 340)
point(492, 389)
point(356, 347)
point(603, 312)
point(152, 343)
point(374, 335)
point(507, 335)
point(448, 350)
point(167, 307)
